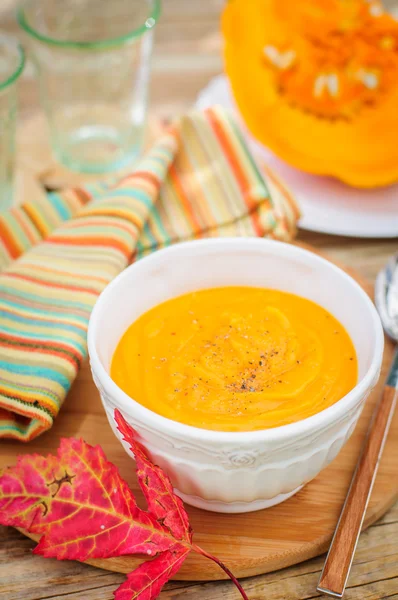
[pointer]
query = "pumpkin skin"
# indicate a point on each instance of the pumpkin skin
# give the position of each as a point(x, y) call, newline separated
point(316, 81)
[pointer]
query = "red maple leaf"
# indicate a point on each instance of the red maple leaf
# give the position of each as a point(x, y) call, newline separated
point(156, 486)
point(82, 508)
point(80, 505)
point(148, 579)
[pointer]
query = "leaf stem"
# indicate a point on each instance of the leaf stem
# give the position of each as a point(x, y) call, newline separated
point(232, 577)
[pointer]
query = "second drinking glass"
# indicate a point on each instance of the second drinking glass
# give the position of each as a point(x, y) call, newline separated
point(93, 62)
point(12, 60)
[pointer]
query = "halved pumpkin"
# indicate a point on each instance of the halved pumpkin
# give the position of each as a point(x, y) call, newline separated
point(317, 82)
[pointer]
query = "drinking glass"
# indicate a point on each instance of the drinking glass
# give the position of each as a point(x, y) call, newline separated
point(12, 61)
point(92, 59)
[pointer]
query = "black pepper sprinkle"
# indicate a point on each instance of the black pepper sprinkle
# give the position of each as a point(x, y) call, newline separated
point(243, 386)
point(260, 362)
point(280, 380)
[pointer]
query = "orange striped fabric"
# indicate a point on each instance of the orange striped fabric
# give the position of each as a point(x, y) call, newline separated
point(199, 180)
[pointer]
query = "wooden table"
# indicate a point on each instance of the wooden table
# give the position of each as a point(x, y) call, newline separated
point(187, 55)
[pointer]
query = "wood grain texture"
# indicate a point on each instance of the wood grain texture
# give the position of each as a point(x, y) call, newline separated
point(186, 56)
point(249, 544)
point(374, 576)
point(337, 566)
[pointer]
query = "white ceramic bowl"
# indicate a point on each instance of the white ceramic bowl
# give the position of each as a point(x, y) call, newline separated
point(236, 471)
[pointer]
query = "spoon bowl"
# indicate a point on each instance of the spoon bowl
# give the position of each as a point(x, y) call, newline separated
point(386, 297)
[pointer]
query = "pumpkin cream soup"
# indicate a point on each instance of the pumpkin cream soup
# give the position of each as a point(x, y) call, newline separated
point(236, 359)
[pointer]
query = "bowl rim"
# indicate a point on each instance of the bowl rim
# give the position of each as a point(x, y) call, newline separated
point(161, 424)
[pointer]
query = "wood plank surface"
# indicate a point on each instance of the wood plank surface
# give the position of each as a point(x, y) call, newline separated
point(187, 55)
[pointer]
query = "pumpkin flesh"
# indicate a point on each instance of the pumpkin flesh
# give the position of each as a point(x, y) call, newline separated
point(317, 83)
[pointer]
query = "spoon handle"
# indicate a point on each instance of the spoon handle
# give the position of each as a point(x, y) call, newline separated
point(341, 553)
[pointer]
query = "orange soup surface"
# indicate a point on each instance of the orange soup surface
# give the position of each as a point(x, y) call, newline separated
point(236, 359)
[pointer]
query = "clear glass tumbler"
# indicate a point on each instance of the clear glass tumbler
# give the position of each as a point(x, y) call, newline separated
point(12, 62)
point(93, 62)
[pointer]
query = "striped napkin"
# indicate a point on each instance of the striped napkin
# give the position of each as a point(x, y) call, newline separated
point(57, 255)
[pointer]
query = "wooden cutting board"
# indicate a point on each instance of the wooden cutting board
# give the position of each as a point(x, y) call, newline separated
point(249, 544)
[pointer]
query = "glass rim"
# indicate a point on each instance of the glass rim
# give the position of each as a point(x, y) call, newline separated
point(152, 18)
point(21, 62)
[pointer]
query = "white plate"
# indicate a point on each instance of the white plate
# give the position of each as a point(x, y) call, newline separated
point(327, 205)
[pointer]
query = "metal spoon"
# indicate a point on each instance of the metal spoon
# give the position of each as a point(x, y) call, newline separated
point(338, 562)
